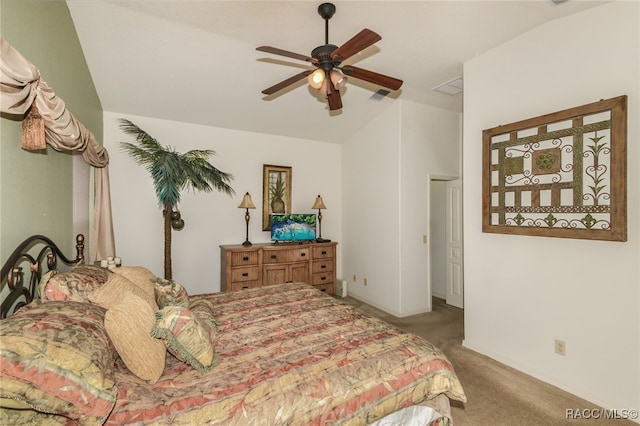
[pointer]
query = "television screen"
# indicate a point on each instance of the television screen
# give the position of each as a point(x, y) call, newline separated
point(293, 227)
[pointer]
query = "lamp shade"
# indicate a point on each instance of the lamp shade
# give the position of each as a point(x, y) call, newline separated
point(316, 79)
point(246, 202)
point(338, 79)
point(319, 204)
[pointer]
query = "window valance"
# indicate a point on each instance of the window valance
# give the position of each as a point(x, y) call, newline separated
point(47, 121)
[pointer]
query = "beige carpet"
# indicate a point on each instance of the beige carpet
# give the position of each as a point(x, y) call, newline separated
point(496, 394)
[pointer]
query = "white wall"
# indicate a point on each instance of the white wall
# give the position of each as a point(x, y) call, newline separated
point(371, 211)
point(213, 218)
point(431, 146)
point(386, 202)
point(522, 292)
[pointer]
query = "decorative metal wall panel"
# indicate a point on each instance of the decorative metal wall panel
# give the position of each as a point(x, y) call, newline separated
point(558, 175)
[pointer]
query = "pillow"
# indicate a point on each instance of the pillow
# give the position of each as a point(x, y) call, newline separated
point(117, 289)
point(203, 308)
point(187, 335)
point(140, 276)
point(27, 416)
point(129, 325)
point(169, 293)
point(74, 285)
point(56, 357)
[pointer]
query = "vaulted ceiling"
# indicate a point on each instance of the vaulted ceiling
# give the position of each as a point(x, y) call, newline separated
point(195, 61)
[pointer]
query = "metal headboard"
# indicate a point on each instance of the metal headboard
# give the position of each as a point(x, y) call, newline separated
point(13, 292)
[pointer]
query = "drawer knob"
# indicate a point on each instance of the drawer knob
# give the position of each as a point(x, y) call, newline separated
point(245, 274)
point(303, 254)
point(324, 252)
point(323, 278)
point(323, 266)
point(273, 256)
point(245, 258)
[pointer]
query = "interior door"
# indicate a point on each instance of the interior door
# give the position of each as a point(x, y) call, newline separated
point(454, 258)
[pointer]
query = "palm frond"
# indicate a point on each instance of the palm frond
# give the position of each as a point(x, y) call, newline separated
point(145, 140)
point(171, 171)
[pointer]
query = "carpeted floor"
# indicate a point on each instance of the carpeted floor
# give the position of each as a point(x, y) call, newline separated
point(496, 394)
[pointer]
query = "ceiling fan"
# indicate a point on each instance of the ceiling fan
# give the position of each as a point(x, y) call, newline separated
point(329, 76)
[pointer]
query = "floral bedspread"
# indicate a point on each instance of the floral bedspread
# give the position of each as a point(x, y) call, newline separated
point(289, 354)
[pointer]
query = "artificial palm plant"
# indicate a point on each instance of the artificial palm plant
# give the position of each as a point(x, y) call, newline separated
point(173, 172)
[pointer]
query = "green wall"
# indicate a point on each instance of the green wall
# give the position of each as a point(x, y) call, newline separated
point(36, 194)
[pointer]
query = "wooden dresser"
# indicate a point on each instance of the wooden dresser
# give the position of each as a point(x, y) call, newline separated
point(267, 263)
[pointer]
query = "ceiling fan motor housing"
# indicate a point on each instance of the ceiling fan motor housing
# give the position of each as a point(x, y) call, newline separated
point(323, 55)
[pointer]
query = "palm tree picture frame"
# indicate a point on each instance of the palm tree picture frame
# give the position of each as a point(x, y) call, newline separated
point(276, 192)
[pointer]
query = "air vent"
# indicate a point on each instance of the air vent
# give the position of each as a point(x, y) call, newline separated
point(380, 94)
point(451, 87)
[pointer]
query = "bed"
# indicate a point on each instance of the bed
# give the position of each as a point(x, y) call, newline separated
point(87, 345)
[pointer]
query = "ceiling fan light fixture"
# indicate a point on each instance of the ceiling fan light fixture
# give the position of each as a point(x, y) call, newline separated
point(316, 79)
point(338, 79)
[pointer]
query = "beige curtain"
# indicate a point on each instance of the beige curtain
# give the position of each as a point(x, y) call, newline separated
point(23, 91)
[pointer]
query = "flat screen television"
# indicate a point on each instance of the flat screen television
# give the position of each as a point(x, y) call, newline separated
point(293, 227)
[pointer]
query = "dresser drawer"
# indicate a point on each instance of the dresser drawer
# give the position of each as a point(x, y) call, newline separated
point(276, 256)
point(283, 256)
point(325, 288)
point(242, 285)
point(298, 255)
point(322, 266)
point(322, 278)
point(244, 274)
point(323, 252)
point(244, 258)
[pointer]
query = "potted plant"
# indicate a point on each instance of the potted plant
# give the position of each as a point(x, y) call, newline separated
point(172, 172)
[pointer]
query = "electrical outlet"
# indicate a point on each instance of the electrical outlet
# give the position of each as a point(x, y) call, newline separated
point(365, 281)
point(561, 347)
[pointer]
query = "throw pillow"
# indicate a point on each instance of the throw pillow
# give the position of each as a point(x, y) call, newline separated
point(74, 285)
point(140, 276)
point(116, 290)
point(187, 336)
point(170, 293)
point(129, 325)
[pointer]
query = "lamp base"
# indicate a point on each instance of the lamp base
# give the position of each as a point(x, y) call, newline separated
point(322, 240)
point(247, 243)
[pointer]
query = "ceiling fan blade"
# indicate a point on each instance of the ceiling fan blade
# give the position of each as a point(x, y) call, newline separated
point(372, 77)
point(286, 53)
point(360, 41)
point(334, 99)
point(284, 83)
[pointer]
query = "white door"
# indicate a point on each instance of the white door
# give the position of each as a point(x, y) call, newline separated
point(455, 279)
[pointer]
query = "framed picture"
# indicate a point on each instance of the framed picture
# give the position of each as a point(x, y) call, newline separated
point(562, 174)
point(276, 192)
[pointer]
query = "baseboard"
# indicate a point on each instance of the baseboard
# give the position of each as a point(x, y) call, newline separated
point(385, 310)
point(545, 378)
point(439, 295)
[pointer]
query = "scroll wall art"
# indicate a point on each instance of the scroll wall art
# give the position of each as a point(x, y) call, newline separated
point(558, 175)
